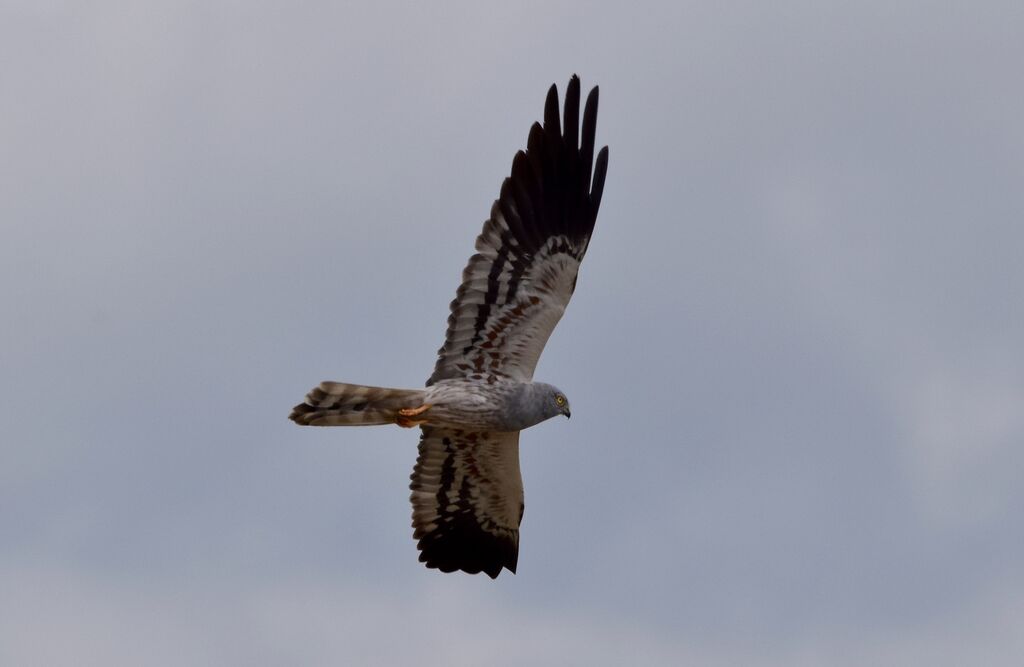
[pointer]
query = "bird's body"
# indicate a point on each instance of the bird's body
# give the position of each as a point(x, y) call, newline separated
point(502, 405)
point(467, 492)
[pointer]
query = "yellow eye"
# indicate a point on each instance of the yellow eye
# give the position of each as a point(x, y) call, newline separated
point(560, 400)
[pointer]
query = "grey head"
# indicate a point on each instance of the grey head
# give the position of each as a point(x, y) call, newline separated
point(534, 402)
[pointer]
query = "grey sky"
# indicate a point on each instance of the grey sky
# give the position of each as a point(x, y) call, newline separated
point(794, 355)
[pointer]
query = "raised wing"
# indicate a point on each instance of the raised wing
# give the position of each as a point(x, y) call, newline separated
point(515, 289)
point(467, 500)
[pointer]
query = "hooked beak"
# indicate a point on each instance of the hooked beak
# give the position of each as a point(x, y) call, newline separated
point(568, 415)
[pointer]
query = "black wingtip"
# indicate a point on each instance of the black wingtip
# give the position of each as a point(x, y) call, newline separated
point(600, 171)
point(589, 131)
point(447, 560)
point(572, 115)
point(592, 98)
point(551, 122)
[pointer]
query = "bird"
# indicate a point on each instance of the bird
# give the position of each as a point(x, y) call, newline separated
point(467, 489)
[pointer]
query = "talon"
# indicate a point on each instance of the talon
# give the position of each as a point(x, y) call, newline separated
point(405, 416)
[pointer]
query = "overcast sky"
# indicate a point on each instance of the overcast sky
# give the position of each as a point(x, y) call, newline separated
point(794, 354)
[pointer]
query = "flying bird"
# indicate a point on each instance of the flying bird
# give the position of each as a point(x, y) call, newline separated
point(467, 491)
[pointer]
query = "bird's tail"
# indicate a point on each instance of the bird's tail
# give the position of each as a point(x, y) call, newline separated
point(340, 404)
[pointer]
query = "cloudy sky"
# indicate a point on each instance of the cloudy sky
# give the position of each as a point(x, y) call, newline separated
point(794, 355)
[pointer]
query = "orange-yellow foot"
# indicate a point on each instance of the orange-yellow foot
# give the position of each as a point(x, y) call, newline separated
point(405, 416)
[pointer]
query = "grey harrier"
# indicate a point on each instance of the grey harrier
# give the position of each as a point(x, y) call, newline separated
point(467, 492)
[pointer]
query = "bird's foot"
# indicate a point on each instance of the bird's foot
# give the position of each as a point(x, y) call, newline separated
point(405, 416)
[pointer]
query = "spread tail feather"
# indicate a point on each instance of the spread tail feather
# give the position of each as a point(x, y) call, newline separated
point(340, 404)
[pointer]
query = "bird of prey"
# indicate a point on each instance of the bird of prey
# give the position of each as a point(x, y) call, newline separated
point(467, 491)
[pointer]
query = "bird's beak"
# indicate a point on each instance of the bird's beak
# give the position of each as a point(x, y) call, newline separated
point(568, 415)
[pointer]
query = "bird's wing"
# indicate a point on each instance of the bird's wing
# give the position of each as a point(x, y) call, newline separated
point(515, 289)
point(467, 500)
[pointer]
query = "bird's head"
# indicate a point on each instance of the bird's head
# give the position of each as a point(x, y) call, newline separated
point(536, 402)
point(558, 404)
